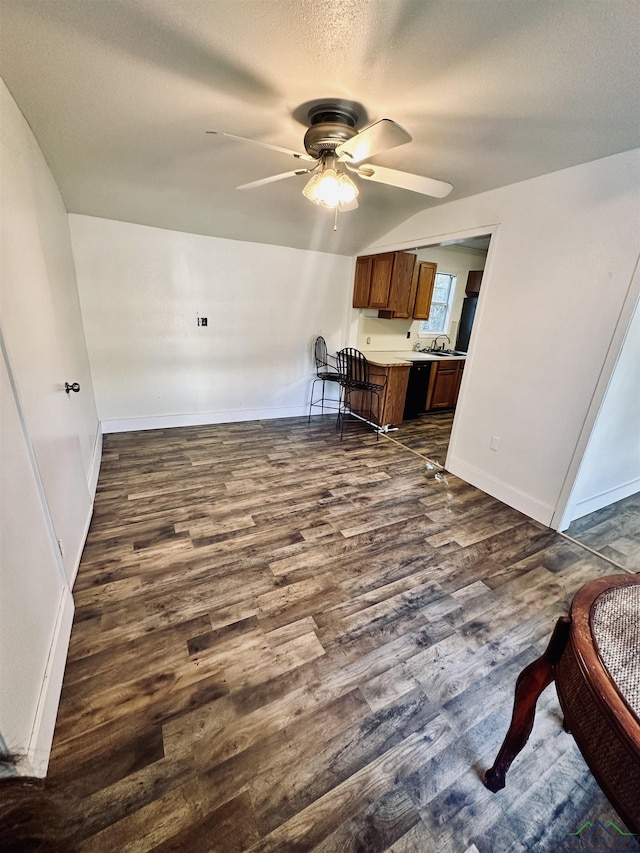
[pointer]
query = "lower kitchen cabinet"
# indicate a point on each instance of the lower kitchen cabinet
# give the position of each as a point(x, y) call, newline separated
point(444, 384)
point(391, 407)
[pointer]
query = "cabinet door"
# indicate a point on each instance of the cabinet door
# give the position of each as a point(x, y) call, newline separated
point(402, 292)
point(474, 280)
point(424, 290)
point(382, 267)
point(444, 386)
point(362, 283)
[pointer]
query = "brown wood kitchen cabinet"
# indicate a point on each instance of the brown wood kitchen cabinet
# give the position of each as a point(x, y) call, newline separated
point(395, 378)
point(385, 282)
point(444, 384)
point(410, 286)
point(425, 280)
point(362, 282)
point(474, 280)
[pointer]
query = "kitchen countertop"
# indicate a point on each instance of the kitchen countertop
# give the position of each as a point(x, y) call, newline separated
point(399, 358)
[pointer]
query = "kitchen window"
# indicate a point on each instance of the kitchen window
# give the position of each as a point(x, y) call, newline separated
point(443, 290)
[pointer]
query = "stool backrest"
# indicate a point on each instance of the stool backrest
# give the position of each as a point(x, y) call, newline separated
point(353, 365)
point(321, 352)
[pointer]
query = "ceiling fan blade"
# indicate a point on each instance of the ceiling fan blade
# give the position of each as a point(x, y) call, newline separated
point(295, 154)
point(273, 178)
point(381, 136)
point(405, 180)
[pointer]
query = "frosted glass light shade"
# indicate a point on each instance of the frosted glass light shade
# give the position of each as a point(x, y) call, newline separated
point(330, 188)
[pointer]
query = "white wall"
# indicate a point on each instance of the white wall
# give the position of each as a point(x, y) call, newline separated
point(562, 258)
point(49, 445)
point(391, 335)
point(610, 468)
point(141, 290)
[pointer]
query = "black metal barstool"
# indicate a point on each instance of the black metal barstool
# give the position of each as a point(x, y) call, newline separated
point(358, 391)
point(326, 371)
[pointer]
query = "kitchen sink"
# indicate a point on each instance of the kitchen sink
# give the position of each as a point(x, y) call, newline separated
point(446, 353)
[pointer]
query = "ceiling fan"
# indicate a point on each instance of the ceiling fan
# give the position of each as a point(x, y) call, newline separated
point(335, 150)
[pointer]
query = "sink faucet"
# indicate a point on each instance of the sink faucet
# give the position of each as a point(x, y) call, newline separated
point(434, 343)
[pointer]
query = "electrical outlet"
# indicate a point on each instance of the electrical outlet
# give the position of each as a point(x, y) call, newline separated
point(494, 444)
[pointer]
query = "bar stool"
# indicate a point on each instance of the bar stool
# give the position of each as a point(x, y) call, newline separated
point(325, 372)
point(358, 391)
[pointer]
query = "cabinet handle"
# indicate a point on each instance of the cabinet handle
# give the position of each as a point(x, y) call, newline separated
point(75, 386)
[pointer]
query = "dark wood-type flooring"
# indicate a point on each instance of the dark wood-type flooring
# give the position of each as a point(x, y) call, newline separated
point(284, 642)
point(428, 435)
point(613, 531)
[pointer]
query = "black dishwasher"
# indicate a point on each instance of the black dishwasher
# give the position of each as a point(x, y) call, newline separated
point(416, 400)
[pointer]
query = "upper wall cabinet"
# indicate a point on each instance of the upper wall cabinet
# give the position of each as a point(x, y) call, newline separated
point(425, 279)
point(474, 280)
point(385, 282)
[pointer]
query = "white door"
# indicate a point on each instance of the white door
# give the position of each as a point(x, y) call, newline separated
point(37, 295)
point(33, 590)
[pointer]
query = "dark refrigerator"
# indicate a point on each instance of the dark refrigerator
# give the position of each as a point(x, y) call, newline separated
point(466, 322)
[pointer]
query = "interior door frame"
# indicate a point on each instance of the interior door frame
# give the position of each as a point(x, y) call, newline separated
point(442, 240)
point(566, 504)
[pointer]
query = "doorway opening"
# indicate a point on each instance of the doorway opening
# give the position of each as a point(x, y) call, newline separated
point(458, 263)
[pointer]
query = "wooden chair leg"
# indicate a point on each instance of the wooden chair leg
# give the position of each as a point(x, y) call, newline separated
point(531, 682)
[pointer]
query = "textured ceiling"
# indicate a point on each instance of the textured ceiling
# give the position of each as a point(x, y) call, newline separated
point(119, 94)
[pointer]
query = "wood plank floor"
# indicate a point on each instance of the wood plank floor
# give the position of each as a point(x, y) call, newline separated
point(285, 642)
point(613, 531)
point(428, 435)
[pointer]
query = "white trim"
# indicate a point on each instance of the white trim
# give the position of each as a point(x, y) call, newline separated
point(467, 376)
point(565, 507)
point(92, 483)
point(94, 465)
point(502, 491)
point(611, 496)
point(81, 544)
point(437, 240)
point(39, 749)
point(201, 418)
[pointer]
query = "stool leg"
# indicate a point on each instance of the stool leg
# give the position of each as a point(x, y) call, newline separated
point(311, 403)
point(346, 403)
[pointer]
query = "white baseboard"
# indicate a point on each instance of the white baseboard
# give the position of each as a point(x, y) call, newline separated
point(94, 468)
point(92, 482)
point(610, 496)
point(81, 544)
point(201, 419)
point(39, 750)
point(502, 491)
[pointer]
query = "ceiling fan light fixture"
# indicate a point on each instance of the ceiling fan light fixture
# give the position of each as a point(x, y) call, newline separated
point(330, 188)
point(347, 189)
